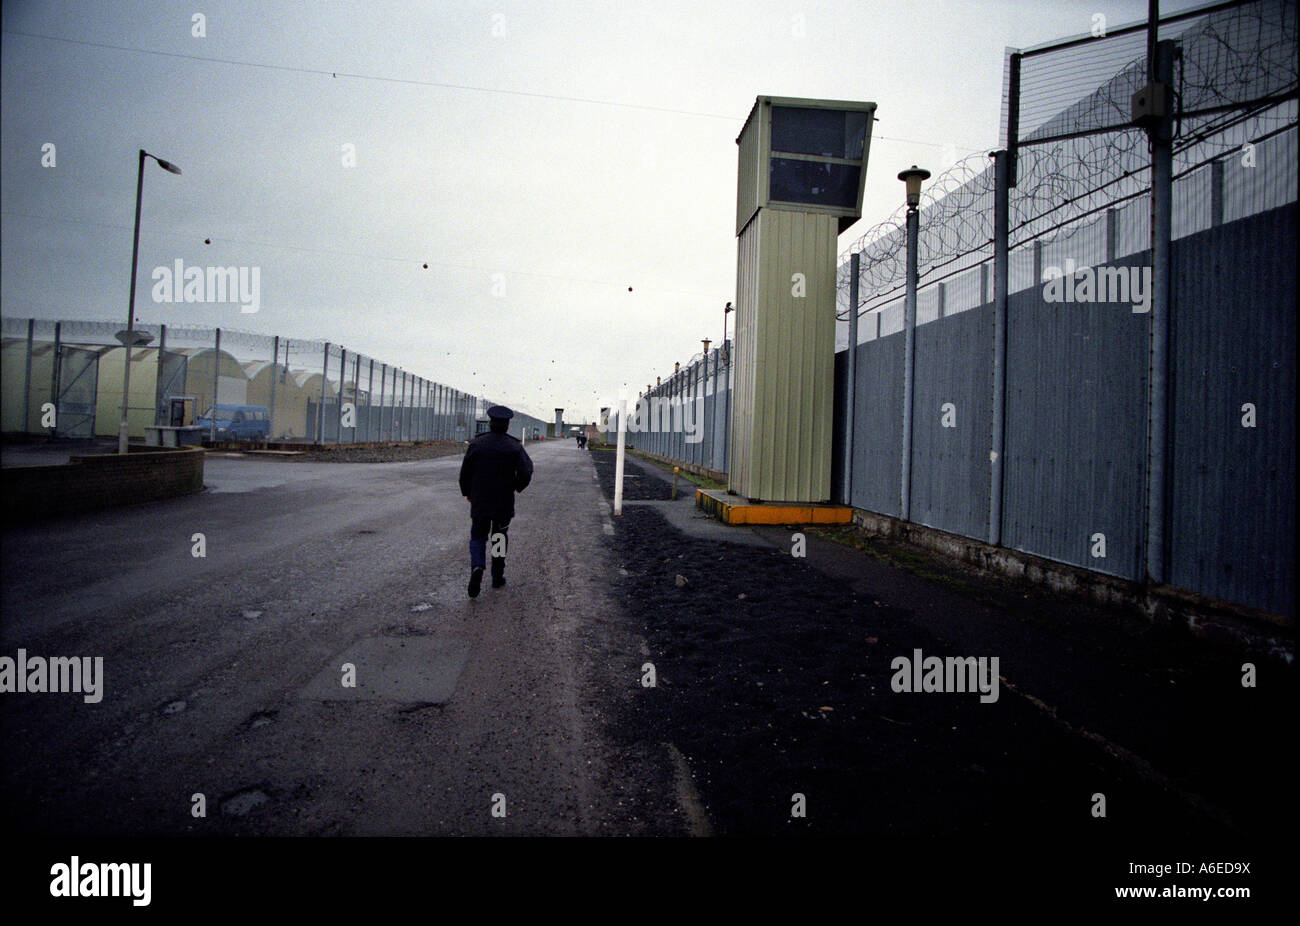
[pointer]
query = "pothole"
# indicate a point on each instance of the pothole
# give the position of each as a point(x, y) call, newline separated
point(260, 719)
point(420, 706)
point(243, 802)
point(174, 707)
point(406, 630)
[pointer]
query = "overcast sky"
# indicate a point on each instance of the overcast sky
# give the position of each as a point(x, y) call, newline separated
point(541, 158)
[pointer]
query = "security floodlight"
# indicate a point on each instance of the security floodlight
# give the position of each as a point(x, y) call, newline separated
point(913, 177)
point(133, 338)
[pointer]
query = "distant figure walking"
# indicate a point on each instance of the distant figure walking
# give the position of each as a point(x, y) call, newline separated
point(495, 467)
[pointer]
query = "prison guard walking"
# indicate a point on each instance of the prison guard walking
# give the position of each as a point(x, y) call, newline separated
point(495, 467)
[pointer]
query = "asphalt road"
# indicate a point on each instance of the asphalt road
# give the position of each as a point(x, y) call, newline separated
point(224, 674)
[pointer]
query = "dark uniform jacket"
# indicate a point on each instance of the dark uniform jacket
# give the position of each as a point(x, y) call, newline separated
point(495, 467)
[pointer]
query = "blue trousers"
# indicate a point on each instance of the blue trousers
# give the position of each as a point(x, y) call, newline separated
point(481, 529)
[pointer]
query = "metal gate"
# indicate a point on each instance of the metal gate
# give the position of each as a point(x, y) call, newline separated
point(78, 379)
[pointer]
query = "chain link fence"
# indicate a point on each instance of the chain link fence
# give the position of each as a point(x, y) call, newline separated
point(65, 379)
point(684, 418)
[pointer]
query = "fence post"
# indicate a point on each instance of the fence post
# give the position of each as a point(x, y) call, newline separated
point(383, 382)
point(27, 375)
point(370, 399)
point(216, 386)
point(1001, 248)
point(285, 374)
point(158, 411)
point(275, 376)
point(1216, 192)
point(909, 363)
point(1161, 307)
point(356, 393)
point(343, 385)
point(324, 384)
point(393, 422)
point(55, 372)
point(851, 376)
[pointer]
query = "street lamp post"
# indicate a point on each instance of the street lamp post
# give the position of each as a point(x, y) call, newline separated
point(912, 177)
point(129, 340)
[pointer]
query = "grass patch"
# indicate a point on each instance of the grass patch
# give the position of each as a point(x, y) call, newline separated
point(703, 482)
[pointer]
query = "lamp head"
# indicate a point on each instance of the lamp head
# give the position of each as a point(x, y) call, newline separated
point(913, 177)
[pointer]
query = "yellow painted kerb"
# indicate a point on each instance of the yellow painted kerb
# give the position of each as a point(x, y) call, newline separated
point(744, 512)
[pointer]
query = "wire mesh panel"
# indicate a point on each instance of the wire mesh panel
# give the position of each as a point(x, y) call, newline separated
point(77, 389)
point(311, 390)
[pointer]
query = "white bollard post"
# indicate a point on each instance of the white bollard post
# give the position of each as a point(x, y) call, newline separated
point(618, 465)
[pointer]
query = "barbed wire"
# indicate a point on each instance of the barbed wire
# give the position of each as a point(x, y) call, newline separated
point(1238, 63)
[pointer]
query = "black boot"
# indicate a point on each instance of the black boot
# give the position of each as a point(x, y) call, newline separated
point(498, 571)
point(475, 581)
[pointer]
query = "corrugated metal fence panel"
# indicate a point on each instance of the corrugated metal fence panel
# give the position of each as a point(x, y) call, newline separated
point(839, 427)
point(795, 346)
point(744, 360)
point(720, 424)
point(1232, 487)
point(1076, 429)
point(878, 423)
point(950, 465)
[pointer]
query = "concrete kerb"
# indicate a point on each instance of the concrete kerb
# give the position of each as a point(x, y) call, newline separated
point(1272, 635)
point(1247, 629)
